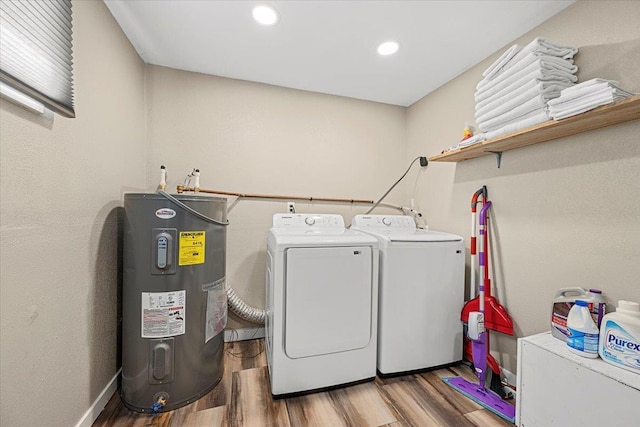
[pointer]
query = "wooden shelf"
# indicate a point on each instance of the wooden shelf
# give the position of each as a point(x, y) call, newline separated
point(606, 115)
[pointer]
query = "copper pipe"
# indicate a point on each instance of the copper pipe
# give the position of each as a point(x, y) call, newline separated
point(182, 189)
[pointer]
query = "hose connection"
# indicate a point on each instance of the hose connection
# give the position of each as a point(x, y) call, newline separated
point(196, 180)
point(195, 176)
point(163, 178)
point(157, 406)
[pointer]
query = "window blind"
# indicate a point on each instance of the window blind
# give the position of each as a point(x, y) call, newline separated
point(36, 55)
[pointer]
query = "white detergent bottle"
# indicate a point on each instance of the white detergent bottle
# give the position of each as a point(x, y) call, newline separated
point(583, 331)
point(620, 337)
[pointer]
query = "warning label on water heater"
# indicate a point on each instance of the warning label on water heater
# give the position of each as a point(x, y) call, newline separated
point(191, 247)
point(163, 314)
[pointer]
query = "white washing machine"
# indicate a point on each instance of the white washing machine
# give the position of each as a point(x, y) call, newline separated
point(321, 303)
point(421, 293)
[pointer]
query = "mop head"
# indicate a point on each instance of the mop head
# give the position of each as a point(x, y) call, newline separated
point(495, 382)
point(483, 397)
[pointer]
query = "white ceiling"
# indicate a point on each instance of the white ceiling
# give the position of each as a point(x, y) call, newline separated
point(330, 46)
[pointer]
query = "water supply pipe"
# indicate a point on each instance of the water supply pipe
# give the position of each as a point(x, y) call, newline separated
point(183, 188)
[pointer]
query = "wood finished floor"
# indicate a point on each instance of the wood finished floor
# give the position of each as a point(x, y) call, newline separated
point(242, 398)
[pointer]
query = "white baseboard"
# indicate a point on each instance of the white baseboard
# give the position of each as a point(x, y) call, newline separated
point(231, 335)
point(98, 405)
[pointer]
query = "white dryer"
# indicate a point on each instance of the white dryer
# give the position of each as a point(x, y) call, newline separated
point(421, 293)
point(321, 303)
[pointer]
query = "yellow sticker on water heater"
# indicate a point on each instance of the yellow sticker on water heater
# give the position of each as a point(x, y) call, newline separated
point(192, 245)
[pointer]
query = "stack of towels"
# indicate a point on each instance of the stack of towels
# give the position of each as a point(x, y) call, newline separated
point(516, 88)
point(585, 96)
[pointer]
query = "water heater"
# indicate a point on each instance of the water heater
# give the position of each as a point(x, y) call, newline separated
point(174, 304)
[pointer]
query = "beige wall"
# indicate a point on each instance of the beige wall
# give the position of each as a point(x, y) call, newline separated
point(62, 184)
point(567, 212)
point(255, 138)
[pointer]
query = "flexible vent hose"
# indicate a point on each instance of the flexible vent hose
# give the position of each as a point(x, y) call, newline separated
point(244, 310)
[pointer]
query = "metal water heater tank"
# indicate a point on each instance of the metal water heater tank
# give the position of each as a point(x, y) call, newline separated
point(174, 304)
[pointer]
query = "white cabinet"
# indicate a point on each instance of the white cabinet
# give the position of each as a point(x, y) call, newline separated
point(559, 388)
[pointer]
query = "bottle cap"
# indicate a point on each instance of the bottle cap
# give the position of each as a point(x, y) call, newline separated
point(629, 307)
point(582, 303)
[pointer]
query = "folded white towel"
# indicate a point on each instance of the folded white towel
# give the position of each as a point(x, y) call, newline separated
point(586, 106)
point(529, 80)
point(540, 70)
point(549, 90)
point(592, 82)
point(544, 61)
point(517, 56)
point(538, 77)
point(532, 119)
point(586, 96)
point(501, 62)
point(580, 97)
point(528, 59)
point(514, 89)
point(585, 103)
point(511, 110)
point(569, 97)
point(523, 113)
point(542, 46)
point(588, 88)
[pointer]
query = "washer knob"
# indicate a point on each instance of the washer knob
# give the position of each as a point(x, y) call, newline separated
point(309, 220)
point(386, 221)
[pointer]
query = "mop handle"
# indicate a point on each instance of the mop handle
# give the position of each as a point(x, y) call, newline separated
point(483, 255)
point(473, 244)
point(487, 279)
point(474, 204)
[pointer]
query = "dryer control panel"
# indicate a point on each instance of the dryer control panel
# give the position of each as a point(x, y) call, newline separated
point(384, 221)
point(306, 221)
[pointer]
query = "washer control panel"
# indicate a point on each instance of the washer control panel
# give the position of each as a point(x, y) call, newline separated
point(384, 221)
point(307, 221)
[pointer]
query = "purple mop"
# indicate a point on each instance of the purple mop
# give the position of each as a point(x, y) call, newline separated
point(478, 335)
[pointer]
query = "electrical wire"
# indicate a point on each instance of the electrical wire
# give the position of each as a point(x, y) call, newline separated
point(415, 186)
point(392, 187)
point(241, 354)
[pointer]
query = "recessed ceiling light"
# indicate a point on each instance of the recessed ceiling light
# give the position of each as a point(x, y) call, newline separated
point(265, 15)
point(388, 48)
